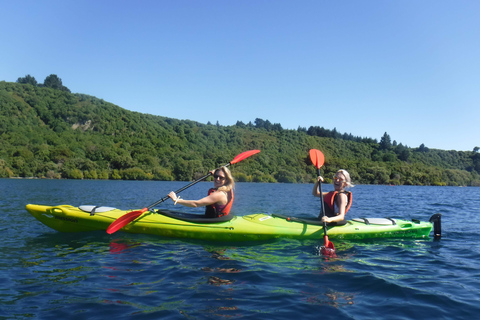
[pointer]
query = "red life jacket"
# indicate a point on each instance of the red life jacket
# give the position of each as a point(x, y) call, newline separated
point(219, 210)
point(329, 202)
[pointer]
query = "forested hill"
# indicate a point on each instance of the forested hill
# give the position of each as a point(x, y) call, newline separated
point(52, 133)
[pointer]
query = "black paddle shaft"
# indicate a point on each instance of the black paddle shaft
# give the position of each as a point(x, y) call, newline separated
point(321, 201)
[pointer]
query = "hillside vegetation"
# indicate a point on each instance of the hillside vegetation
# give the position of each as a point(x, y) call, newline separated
point(49, 132)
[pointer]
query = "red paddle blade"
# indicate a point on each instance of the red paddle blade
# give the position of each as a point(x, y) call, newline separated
point(124, 220)
point(244, 155)
point(328, 249)
point(329, 252)
point(317, 158)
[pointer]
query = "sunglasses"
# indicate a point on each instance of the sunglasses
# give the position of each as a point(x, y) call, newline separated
point(216, 176)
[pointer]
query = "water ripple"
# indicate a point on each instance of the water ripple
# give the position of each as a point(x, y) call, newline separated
point(47, 274)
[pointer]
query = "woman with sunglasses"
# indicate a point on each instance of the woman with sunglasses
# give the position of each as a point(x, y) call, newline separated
point(219, 200)
point(337, 202)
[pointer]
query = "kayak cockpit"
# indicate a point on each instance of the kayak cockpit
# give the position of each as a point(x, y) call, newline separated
point(195, 218)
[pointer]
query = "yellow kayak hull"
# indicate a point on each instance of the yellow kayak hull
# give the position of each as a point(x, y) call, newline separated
point(66, 218)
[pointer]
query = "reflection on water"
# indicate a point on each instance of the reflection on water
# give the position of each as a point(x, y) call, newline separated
point(117, 246)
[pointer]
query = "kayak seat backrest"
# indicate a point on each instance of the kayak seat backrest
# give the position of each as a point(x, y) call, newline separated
point(95, 209)
point(377, 221)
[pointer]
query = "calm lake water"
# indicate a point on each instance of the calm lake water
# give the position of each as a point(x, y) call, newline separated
point(52, 275)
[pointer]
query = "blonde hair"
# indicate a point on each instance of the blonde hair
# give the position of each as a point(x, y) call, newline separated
point(229, 181)
point(348, 180)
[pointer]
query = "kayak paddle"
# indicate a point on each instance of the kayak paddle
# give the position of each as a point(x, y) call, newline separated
point(317, 158)
point(132, 215)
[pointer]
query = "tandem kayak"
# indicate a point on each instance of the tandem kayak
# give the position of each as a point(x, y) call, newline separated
point(66, 218)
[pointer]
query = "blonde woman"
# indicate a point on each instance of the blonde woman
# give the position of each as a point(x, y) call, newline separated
point(219, 200)
point(337, 202)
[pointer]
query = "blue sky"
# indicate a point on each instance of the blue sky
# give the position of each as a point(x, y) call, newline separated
point(409, 68)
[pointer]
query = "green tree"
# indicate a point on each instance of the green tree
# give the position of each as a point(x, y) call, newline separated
point(54, 82)
point(286, 176)
point(402, 152)
point(134, 174)
point(385, 142)
point(73, 174)
point(28, 79)
point(5, 171)
point(423, 148)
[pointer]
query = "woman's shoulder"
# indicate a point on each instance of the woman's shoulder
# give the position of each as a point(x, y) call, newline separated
point(343, 194)
point(219, 192)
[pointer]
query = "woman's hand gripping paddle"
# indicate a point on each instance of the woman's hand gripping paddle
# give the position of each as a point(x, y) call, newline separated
point(132, 215)
point(317, 158)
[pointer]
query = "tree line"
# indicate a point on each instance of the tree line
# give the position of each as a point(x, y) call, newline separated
point(48, 132)
point(51, 81)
